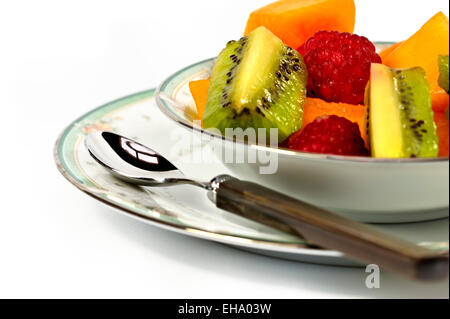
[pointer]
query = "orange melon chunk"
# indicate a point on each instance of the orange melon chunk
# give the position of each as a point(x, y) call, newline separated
point(442, 131)
point(423, 49)
point(354, 113)
point(199, 90)
point(386, 52)
point(295, 21)
point(440, 100)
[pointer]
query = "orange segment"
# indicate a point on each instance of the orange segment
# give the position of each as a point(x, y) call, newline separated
point(442, 131)
point(318, 107)
point(423, 49)
point(295, 21)
point(199, 90)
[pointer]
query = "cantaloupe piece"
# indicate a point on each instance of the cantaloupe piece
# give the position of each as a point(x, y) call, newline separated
point(386, 52)
point(295, 21)
point(354, 113)
point(440, 100)
point(199, 90)
point(423, 49)
point(442, 131)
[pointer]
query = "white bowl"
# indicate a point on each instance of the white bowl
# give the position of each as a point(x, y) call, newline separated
point(365, 189)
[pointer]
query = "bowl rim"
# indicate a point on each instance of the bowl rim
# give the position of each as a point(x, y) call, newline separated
point(280, 151)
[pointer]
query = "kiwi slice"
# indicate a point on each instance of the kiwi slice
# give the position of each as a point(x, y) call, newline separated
point(443, 77)
point(401, 119)
point(257, 82)
point(443, 68)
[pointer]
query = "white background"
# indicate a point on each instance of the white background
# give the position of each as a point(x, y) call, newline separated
point(58, 60)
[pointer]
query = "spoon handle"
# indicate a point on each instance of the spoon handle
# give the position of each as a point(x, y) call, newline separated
point(328, 230)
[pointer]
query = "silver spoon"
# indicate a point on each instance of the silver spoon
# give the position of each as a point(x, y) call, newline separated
point(138, 164)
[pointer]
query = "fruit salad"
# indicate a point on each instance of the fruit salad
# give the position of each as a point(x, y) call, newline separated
point(299, 68)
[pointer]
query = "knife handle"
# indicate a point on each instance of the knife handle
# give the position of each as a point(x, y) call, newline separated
point(328, 230)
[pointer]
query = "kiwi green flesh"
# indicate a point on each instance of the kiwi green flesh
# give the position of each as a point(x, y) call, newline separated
point(257, 82)
point(443, 68)
point(411, 106)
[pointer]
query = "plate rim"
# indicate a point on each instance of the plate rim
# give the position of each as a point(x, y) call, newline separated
point(236, 241)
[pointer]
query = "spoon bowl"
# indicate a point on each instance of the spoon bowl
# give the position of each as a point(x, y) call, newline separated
point(133, 162)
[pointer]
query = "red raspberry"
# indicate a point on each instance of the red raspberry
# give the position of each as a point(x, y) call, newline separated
point(329, 135)
point(338, 66)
